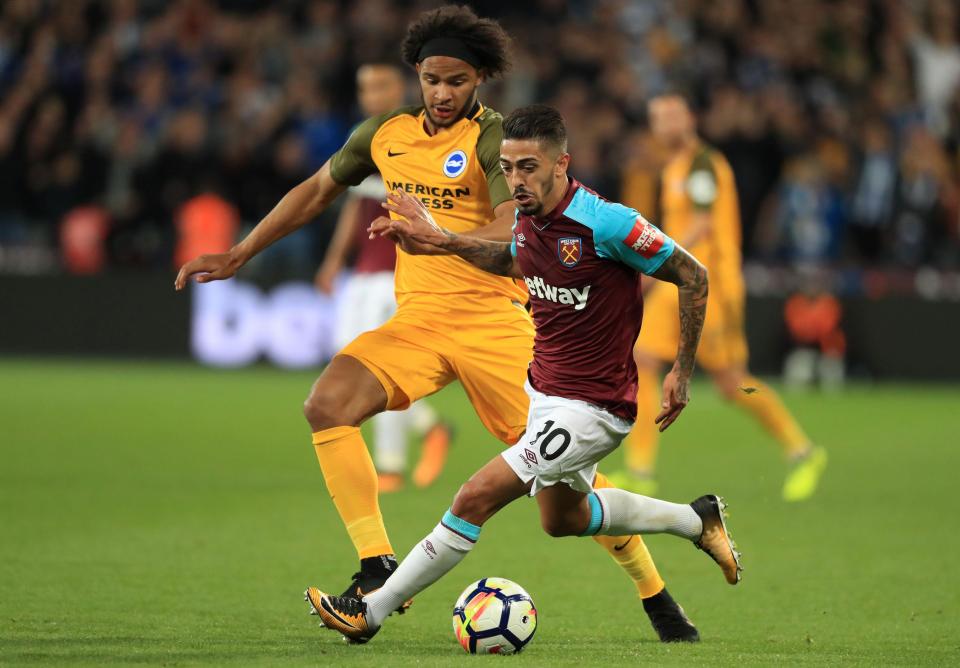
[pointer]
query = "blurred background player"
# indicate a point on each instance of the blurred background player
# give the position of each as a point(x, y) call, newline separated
point(813, 316)
point(368, 299)
point(699, 208)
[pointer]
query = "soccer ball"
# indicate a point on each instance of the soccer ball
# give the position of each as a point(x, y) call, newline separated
point(494, 616)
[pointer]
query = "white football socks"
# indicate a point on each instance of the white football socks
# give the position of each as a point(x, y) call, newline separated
point(431, 559)
point(623, 513)
point(390, 431)
point(614, 512)
point(422, 416)
point(390, 441)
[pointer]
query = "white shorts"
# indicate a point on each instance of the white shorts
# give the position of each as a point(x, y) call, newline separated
point(564, 441)
point(367, 301)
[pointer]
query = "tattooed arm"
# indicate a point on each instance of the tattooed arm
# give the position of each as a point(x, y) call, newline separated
point(690, 277)
point(418, 226)
point(491, 256)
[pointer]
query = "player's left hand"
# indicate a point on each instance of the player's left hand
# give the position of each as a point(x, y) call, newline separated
point(380, 227)
point(676, 396)
point(415, 230)
point(384, 227)
point(407, 206)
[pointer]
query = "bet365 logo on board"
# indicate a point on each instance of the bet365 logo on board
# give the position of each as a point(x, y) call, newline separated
point(454, 164)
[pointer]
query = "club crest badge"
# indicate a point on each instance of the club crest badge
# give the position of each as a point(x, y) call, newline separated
point(569, 250)
point(454, 164)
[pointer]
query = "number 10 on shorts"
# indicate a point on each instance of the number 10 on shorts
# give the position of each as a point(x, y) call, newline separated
point(553, 441)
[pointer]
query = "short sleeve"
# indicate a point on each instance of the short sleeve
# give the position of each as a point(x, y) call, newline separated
point(639, 244)
point(488, 153)
point(701, 184)
point(620, 233)
point(354, 162)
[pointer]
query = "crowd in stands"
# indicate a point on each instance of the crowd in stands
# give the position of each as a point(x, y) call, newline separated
point(841, 118)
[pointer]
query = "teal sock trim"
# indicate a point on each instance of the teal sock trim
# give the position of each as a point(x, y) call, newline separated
point(457, 525)
point(596, 515)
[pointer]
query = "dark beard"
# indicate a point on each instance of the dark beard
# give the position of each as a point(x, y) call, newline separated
point(459, 115)
point(532, 210)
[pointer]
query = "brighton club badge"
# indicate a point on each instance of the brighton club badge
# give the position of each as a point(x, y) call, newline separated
point(569, 250)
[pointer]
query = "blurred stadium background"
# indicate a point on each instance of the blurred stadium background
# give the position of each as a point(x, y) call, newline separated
point(136, 133)
point(133, 133)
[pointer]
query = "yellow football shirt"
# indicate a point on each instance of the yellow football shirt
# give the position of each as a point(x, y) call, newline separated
point(455, 173)
point(702, 180)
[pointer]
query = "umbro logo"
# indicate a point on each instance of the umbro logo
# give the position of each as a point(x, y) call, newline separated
point(532, 458)
point(429, 549)
point(391, 154)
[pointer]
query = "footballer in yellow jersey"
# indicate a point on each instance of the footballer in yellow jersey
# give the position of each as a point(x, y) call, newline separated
point(453, 321)
point(699, 208)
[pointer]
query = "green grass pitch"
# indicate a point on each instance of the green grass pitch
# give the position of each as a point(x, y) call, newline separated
point(164, 513)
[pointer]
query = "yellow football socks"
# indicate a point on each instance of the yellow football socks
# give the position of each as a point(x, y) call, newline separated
point(631, 553)
point(641, 444)
point(765, 405)
point(352, 483)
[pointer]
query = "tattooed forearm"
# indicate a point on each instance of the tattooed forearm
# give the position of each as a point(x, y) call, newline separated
point(491, 256)
point(690, 277)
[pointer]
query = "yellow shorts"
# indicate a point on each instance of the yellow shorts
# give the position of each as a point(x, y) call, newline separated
point(485, 343)
point(722, 344)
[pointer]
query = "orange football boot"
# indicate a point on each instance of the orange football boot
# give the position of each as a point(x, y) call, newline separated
point(345, 614)
point(433, 456)
point(715, 540)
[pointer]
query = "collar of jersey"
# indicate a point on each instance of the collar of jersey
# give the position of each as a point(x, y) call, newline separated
point(473, 115)
point(557, 212)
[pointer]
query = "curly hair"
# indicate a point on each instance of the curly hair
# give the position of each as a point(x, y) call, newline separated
point(484, 37)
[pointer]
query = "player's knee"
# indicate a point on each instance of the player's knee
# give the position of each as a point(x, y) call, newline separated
point(324, 409)
point(726, 392)
point(727, 384)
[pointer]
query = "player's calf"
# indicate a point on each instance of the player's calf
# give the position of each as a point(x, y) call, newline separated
point(563, 511)
point(487, 491)
point(561, 527)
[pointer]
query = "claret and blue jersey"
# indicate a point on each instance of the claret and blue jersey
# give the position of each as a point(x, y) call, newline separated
point(581, 264)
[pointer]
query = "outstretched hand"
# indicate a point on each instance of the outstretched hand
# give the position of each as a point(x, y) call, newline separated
point(676, 396)
point(206, 268)
point(416, 231)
